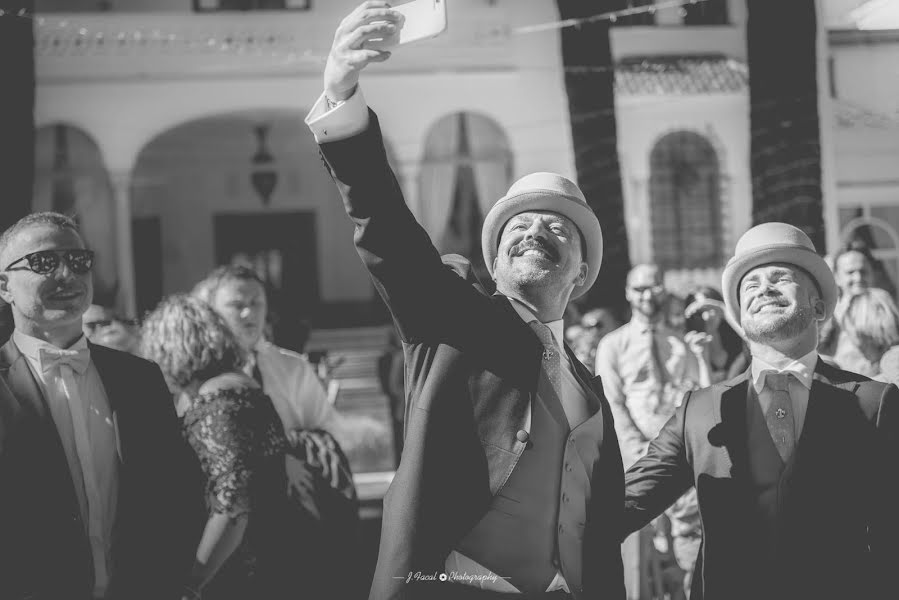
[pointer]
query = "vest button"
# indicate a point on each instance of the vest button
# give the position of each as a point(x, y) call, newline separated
point(567, 466)
point(564, 497)
point(561, 528)
point(555, 562)
point(522, 436)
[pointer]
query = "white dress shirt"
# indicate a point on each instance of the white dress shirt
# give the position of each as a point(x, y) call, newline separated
point(345, 120)
point(81, 410)
point(803, 371)
point(295, 390)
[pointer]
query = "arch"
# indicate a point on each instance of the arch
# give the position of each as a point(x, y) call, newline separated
point(467, 164)
point(685, 202)
point(244, 186)
point(71, 177)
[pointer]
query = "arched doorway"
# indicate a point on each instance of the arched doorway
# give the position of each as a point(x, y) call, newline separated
point(71, 178)
point(685, 197)
point(249, 188)
point(466, 167)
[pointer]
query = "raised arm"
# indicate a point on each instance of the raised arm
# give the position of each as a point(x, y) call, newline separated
point(405, 265)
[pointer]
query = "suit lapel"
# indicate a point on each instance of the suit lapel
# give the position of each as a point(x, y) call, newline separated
point(586, 380)
point(733, 427)
point(14, 368)
point(829, 404)
point(114, 384)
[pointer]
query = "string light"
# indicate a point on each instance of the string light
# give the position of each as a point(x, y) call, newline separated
point(294, 56)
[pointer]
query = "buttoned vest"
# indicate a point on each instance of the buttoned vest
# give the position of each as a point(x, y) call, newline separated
point(766, 473)
point(535, 523)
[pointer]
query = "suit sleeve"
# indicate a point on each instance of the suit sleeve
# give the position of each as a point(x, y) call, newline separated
point(884, 528)
point(662, 476)
point(406, 267)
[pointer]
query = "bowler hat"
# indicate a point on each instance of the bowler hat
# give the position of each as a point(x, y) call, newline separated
point(550, 192)
point(775, 243)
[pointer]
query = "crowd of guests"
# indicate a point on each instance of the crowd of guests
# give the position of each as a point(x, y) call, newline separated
point(209, 465)
point(258, 419)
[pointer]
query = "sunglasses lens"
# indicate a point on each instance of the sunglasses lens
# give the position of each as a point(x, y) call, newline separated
point(80, 261)
point(43, 262)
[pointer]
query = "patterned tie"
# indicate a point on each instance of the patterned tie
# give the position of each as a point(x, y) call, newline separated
point(552, 371)
point(779, 416)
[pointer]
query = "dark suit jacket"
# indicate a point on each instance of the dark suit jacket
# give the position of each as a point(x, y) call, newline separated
point(837, 530)
point(471, 372)
point(44, 553)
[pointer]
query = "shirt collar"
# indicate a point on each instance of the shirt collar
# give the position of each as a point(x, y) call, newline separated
point(31, 346)
point(802, 368)
point(556, 327)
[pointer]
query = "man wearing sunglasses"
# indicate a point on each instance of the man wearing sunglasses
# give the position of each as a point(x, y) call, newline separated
point(90, 450)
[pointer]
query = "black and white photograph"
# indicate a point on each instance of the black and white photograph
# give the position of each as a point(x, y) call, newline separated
point(449, 299)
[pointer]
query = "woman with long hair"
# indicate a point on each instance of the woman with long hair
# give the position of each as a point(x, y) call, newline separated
point(869, 326)
point(255, 543)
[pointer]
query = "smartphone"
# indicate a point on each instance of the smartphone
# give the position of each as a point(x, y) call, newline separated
point(424, 19)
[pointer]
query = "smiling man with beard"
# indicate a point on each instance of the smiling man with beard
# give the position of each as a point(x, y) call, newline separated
point(511, 479)
point(97, 487)
point(794, 461)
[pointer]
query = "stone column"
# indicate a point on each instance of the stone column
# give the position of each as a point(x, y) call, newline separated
point(121, 189)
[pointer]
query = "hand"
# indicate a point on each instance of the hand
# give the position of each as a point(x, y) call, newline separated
point(712, 312)
point(320, 452)
point(697, 342)
point(371, 20)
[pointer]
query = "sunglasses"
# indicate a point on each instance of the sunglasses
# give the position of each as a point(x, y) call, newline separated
point(44, 262)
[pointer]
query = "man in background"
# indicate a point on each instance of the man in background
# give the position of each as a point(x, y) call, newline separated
point(646, 366)
point(102, 325)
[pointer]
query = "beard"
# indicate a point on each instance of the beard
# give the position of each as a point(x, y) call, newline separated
point(761, 327)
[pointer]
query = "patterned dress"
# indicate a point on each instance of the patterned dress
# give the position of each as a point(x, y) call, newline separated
point(246, 458)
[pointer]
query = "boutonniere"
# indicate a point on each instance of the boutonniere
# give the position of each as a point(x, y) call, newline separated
point(118, 437)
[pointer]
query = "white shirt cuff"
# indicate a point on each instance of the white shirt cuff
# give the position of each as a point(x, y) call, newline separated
point(345, 120)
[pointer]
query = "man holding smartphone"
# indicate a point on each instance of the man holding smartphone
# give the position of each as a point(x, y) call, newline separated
point(510, 483)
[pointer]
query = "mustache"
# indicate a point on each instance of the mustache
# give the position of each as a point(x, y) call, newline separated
point(767, 301)
point(535, 244)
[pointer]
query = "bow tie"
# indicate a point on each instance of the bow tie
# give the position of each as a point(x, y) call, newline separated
point(77, 359)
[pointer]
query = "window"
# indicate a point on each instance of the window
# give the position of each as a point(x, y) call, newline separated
point(685, 196)
point(223, 5)
point(710, 12)
point(467, 166)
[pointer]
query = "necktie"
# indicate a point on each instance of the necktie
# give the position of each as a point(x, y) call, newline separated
point(779, 416)
point(59, 368)
point(257, 374)
point(552, 369)
point(658, 365)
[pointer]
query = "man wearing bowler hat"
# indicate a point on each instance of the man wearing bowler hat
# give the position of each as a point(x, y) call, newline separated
point(795, 462)
point(510, 483)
